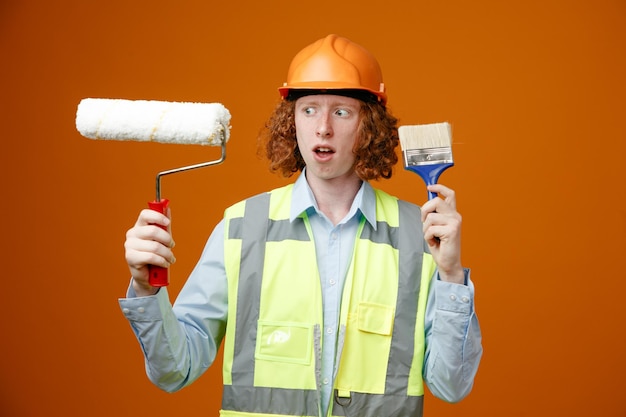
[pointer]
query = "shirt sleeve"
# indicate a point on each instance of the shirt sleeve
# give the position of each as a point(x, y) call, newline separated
point(180, 342)
point(453, 339)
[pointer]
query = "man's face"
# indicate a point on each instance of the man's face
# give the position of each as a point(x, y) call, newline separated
point(326, 129)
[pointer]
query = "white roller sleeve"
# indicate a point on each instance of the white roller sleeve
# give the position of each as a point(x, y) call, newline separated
point(155, 121)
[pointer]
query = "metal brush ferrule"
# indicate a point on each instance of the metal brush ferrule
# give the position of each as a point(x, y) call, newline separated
point(428, 156)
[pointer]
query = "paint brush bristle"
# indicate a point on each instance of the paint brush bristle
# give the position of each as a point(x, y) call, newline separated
point(434, 135)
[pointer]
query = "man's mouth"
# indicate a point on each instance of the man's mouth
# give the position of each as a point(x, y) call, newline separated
point(323, 151)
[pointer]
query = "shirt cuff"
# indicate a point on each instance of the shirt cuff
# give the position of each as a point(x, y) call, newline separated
point(149, 308)
point(455, 297)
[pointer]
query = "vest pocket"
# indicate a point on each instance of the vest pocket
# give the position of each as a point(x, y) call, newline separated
point(375, 318)
point(284, 342)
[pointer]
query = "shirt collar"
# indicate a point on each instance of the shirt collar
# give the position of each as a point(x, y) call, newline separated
point(302, 200)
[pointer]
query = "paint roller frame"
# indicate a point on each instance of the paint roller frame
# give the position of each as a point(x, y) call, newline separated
point(159, 276)
point(190, 167)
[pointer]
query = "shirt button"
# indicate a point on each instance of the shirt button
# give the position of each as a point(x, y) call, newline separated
point(332, 282)
point(333, 236)
point(465, 299)
point(141, 309)
point(325, 381)
point(453, 297)
point(329, 330)
point(126, 310)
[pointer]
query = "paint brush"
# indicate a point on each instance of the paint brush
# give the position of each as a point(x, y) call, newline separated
point(427, 150)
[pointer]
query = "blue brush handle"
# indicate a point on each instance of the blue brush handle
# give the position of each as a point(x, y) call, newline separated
point(430, 174)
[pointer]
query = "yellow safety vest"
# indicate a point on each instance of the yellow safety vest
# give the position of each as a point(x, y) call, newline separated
point(272, 347)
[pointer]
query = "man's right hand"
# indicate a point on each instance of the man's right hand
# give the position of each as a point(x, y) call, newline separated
point(148, 244)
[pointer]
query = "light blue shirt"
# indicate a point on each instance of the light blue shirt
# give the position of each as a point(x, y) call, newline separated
point(181, 342)
point(334, 245)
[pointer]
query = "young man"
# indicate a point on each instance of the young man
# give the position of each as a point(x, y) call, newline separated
point(334, 298)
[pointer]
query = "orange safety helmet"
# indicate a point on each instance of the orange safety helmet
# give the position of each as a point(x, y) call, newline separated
point(335, 63)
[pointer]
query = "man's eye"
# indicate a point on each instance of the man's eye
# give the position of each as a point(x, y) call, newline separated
point(309, 110)
point(342, 112)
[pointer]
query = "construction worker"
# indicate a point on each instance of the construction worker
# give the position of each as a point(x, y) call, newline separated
point(332, 298)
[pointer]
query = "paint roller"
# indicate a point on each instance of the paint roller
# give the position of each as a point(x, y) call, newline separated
point(156, 121)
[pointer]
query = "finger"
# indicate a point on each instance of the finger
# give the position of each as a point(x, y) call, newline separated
point(442, 225)
point(146, 245)
point(151, 232)
point(428, 208)
point(445, 193)
point(436, 206)
point(139, 260)
point(440, 232)
point(451, 222)
point(148, 216)
point(431, 236)
point(146, 252)
point(452, 218)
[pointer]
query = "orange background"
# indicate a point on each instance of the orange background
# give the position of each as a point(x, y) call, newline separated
point(535, 91)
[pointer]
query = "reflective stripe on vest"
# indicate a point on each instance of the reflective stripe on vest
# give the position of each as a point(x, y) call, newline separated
point(272, 360)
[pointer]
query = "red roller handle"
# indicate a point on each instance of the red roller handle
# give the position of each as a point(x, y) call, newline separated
point(159, 276)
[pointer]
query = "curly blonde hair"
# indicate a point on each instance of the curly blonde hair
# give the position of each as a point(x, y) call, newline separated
point(375, 148)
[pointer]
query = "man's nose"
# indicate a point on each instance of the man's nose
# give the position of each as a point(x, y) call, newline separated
point(324, 126)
